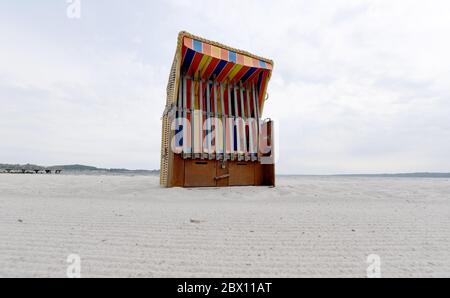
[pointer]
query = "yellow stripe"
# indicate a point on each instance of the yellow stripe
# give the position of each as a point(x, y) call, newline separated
point(215, 52)
point(236, 68)
point(196, 100)
point(206, 63)
point(248, 61)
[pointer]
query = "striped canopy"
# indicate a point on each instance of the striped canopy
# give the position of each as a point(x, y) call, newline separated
point(209, 60)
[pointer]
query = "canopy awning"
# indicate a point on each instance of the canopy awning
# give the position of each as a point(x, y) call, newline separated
point(209, 60)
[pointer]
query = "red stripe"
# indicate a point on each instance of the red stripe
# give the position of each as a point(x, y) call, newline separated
point(225, 71)
point(241, 73)
point(239, 103)
point(204, 97)
point(213, 103)
point(188, 93)
point(212, 65)
point(263, 84)
point(225, 98)
point(252, 107)
point(183, 54)
point(254, 77)
point(245, 104)
point(194, 64)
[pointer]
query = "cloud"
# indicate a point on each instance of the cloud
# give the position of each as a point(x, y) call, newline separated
point(358, 86)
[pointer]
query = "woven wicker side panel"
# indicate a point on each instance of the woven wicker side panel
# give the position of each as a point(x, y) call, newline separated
point(164, 166)
point(171, 85)
point(165, 149)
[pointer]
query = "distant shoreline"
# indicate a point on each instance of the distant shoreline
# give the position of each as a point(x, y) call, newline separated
point(70, 169)
point(397, 175)
point(91, 170)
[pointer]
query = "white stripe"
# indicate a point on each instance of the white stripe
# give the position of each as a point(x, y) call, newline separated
point(242, 120)
point(230, 122)
point(250, 122)
point(192, 116)
point(216, 123)
point(208, 123)
point(237, 122)
point(224, 131)
point(184, 115)
point(200, 99)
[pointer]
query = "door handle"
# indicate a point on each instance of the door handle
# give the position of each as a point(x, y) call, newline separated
point(222, 177)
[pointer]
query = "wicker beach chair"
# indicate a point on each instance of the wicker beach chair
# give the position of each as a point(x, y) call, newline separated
point(212, 132)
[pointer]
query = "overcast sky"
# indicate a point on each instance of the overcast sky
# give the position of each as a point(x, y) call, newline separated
point(358, 86)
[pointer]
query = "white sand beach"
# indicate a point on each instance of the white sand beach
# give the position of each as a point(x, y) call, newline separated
point(124, 226)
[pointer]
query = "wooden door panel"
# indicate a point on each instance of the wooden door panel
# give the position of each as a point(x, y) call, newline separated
point(200, 173)
point(241, 173)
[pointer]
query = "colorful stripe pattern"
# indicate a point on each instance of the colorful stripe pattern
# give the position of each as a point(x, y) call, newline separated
point(211, 62)
point(216, 118)
point(224, 54)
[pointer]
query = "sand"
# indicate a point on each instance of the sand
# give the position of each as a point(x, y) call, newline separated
point(124, 226)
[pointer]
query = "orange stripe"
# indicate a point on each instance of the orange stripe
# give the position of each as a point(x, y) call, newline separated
point(207, 49)
point(188, 42)
point(239, 59)
point(224, 54)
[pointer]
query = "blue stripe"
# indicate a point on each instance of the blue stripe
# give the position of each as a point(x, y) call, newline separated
point(259, 79)
point(232, 56)
point(188, 59)
point(219, 67)
point(259, 83)
point(262, 64)
point(248, 74)
point(235, 138)
point(198, 46)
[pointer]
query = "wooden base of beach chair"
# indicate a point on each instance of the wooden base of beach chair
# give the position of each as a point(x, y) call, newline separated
point(220, 173)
